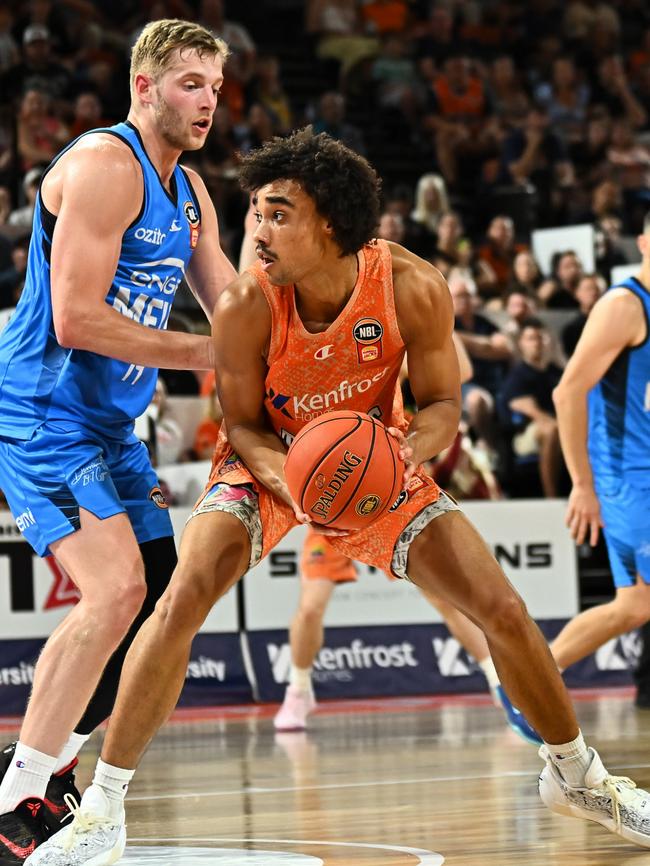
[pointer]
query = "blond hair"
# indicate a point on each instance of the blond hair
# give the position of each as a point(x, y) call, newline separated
point(152, 53)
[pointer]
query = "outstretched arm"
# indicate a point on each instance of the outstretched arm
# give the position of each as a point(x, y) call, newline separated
point(615, 322)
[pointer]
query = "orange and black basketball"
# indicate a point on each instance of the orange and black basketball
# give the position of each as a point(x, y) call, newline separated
point(343, 469)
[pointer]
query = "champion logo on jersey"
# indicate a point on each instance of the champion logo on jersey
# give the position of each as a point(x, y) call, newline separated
point(324, 352)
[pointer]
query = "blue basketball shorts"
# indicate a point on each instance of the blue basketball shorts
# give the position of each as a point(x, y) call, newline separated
point(63, 468)
point(626, 515)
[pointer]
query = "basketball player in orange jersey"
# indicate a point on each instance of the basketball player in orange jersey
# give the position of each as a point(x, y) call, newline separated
point(288, 347)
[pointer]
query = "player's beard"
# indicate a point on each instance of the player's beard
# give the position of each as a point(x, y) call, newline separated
point(171, 126)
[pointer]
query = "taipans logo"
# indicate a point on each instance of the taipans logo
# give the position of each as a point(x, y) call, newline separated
point(192, 217)
point(368, 334)
point(158, 497)
point(368, 505)
point(324, 352)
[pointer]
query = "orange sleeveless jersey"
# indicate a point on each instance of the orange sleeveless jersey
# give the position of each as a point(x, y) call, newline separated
point(354, 364)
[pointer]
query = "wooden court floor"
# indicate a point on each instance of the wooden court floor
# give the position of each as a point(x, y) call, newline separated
point(374, 783)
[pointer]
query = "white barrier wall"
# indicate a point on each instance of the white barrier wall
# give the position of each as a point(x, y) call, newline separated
point(528, 538)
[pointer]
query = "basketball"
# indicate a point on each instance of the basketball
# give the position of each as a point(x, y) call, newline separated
point(343, 470)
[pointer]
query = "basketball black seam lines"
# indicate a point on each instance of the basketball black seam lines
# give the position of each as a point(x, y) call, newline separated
point(359, 421)
point(365, 469)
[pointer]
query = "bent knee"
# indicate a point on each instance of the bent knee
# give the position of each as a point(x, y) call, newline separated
point(505, 614)
point(192, 593)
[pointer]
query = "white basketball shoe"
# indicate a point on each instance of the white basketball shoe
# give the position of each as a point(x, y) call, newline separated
point(94, 837)
point(613, 801)
point(296, 707)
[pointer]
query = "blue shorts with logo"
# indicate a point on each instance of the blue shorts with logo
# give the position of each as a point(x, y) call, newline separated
point(64, 467)
point(626, 515)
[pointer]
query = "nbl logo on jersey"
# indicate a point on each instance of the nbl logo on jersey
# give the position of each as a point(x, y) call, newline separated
point(368, 335)
point(194, 222)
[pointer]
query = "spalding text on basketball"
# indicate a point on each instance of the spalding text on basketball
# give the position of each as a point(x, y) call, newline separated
point(330, 491)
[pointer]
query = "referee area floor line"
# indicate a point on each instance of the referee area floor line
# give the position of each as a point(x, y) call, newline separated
point(355, 706)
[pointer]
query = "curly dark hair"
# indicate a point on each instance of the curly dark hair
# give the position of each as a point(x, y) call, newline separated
point(344, 186)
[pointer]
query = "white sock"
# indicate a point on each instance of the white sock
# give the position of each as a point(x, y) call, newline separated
point(70, 750)
point(26, 776)
point(491, 675)
point(114, 782)
point(300, 678)
point(572, 760)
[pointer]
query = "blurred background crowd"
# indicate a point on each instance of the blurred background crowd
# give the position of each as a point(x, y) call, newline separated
point(491, 122)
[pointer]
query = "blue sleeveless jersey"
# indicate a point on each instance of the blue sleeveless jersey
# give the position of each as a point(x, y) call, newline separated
point(619, 413)
point(39, 379)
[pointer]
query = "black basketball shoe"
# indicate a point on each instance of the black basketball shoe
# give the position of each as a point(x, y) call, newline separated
point(23, 830)
point(60, 784)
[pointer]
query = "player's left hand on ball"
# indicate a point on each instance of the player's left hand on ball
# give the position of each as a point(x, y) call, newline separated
point(405, 454)
point(303, 517)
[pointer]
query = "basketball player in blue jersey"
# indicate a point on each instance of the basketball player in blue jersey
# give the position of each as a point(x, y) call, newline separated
point(118, 224)
point(603, 411)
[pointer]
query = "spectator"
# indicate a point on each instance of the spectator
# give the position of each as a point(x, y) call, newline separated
point(527, 405)
point(499, 253)
point(558, 293)
point(391, 228)
point(509, 99)
point(431, 202)
point(266, 88)
point(397, 81)
point(519, 307)
point(40, 135)
point(565, 99)
point(589, 289)
point(257, 129)
point(36, 71)
point(454, 251)
point(612, 90)
point(5, 205)
point(534, 154)
point(416, 238)
point(88, 114)
point(22, 217)
point(331, 119)
point(458, 114)
point(490, 353)
point(526, 275)
point(589, 155)
point(8, 48)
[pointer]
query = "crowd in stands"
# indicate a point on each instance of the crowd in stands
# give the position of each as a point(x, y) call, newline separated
point(486, 119)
